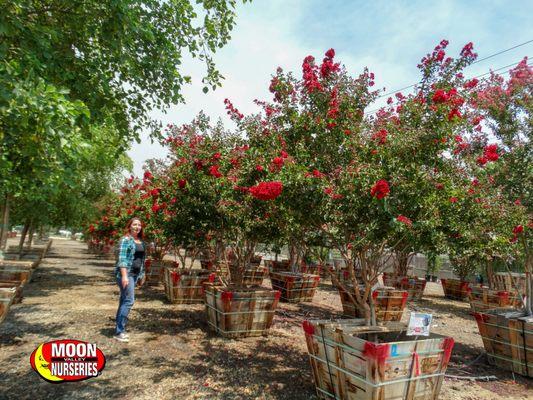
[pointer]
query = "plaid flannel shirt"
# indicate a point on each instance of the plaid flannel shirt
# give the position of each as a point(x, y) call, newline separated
point(126, 252)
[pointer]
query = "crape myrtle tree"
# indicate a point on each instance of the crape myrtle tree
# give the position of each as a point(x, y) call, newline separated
point(506, 106)
point(304, 133)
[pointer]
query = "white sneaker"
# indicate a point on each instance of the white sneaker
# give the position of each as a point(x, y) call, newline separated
point(122, 337)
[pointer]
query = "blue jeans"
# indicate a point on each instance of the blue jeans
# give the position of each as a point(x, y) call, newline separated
point(127, 298)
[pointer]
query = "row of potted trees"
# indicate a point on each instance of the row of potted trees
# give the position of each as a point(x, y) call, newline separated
point(312, 171)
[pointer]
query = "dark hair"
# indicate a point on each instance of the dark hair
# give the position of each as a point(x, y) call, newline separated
point(128, 227)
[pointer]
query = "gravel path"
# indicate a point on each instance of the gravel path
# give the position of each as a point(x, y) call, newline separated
point(172, 354)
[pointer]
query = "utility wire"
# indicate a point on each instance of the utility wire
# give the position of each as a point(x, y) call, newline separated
point(475, 62)
point(477, 76)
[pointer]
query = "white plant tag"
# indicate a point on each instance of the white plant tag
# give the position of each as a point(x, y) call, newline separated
point(419, 324)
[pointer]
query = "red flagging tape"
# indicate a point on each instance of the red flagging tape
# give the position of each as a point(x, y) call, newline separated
point(379, 352)
point(277, 295)
point(405, 295)
point(346, 274)
point(447, 346)
point(405, 281)
point(309, 329)
point(480, 317)
point(212, 277)
point(175, 277)
point(464, 286)
point(375, 294)
point(317, 278)
point(416, 363)
point(503, 295)
point(226, 296)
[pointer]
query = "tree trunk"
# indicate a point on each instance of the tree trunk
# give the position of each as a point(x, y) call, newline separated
point(23, 236)
point(490, 274)
point(4, 222)
point(30, 235)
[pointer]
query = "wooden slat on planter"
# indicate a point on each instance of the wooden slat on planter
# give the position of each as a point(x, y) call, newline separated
point(455, 289)
point(295, 287)
point(185, 286)
point(237, 312)
point(19, 264)
point(414, 285)
point(15, 286)
point(347, 365)
point(389, 303)
point(508, 339)
point(6, 299)
point(483, 298)
point(15, 274)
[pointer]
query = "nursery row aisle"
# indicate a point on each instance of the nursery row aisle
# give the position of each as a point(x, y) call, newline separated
point(171, 353)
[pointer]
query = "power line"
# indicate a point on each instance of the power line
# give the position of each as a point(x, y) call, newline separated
point(475, 62)
point(477, 76)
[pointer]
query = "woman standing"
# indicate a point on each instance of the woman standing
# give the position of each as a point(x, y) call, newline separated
point(128, 271)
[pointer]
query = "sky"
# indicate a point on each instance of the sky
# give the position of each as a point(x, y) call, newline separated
point(388, 37)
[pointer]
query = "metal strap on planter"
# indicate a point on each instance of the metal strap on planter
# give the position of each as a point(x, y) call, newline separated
point(240, 312)
point(525, 347)
point(327, 359)
point(237, 331)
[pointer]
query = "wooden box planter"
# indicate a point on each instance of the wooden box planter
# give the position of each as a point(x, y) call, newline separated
point(455, 289)
point(508, 339)
point(185, 286)
point(483, 298)
point(389, 303)
point(510, 282)
point(238, 312)
point(254, 275)
point(153, 270)
point(6, 299)
point(294, 286)
point(414, 285)
point(348, 365)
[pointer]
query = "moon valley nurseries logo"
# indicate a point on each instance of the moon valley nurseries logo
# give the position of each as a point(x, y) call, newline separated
point(67, 361)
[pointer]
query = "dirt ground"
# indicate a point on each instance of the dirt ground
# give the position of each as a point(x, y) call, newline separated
point(173, 355)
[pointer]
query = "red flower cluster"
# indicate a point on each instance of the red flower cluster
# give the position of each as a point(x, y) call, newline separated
point(491, 152)
point(148, 176)
point(182, 183)
point(517, 230)
point(232, 111)
point(259, 168)
point(404, 220)
point(213, 171)
point(380, 189)
point(380, 136)
point(333, 111)
point(310, 75)
point(471, 84)
point(453, 199)
point(266, 190)
point(467, 51)
point(328, 66)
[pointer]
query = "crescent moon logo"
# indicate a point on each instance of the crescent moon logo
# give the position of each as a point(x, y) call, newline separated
point(67, 361)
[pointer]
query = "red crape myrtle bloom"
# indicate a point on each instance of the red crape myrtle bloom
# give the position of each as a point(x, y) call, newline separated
point(491, 152)
point(266, 190)
point(404, 220)
point(380, 189)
